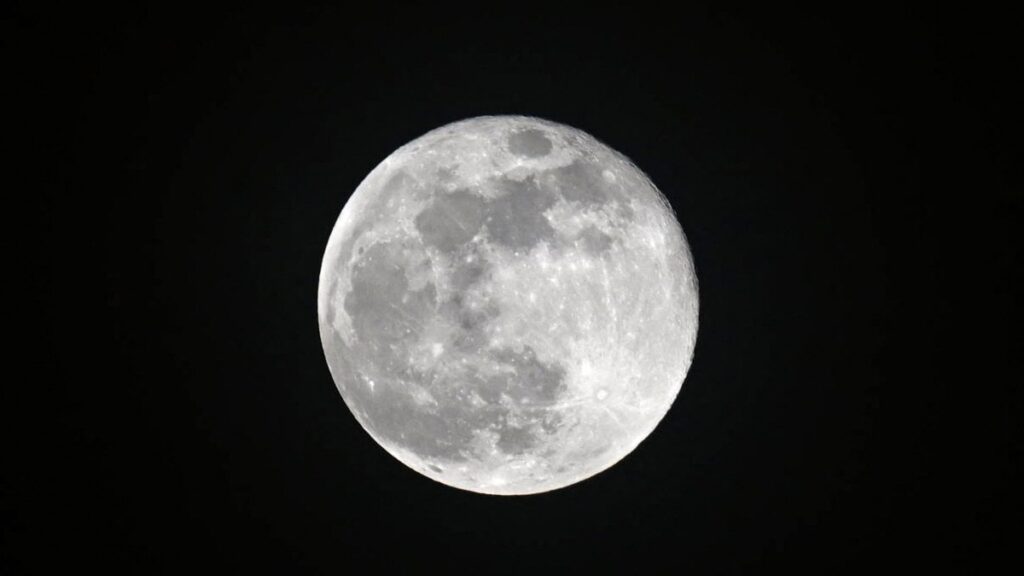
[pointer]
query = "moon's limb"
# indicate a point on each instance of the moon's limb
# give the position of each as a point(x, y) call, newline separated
point(507, 305)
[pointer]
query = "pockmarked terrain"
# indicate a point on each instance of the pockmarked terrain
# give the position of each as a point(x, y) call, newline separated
point(507, 305)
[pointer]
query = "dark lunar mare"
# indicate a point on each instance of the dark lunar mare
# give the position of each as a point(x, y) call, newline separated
point(516, 219)
point(529, 143)
point(388, 320)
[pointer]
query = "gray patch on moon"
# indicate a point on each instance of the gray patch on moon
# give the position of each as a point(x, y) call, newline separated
point(398, 184)
point(451, 220)
point(516, 219)
point(589, 184)
point(531, 382)
point(594, 242)
point(515, 440)
point(581, 182)
point(384, 312)
point(469, 319)
point(468, 273)
point(531, 143)
point(448, 429)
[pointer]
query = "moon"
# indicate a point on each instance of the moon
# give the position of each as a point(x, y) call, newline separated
point(507, 305)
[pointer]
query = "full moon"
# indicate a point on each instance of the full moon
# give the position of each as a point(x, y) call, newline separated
point(507, 305)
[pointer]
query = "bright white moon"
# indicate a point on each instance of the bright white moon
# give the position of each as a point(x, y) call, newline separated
point(507, 305)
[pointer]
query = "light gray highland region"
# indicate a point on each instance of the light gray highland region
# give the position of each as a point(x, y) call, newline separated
point(507, 305)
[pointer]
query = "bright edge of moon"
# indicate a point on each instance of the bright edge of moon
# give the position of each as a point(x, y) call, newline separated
point(507, 305)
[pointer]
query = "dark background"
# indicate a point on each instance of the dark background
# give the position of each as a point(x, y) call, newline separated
point(842, 178)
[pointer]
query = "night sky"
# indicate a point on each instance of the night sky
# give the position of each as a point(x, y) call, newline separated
point(842, 178)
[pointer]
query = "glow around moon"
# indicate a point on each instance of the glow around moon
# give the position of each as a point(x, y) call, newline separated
point(507, 305)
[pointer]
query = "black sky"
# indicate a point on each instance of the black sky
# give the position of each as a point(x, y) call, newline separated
point(842, 178)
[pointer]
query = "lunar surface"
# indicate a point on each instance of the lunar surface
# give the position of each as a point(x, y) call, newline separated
point(507, 305)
